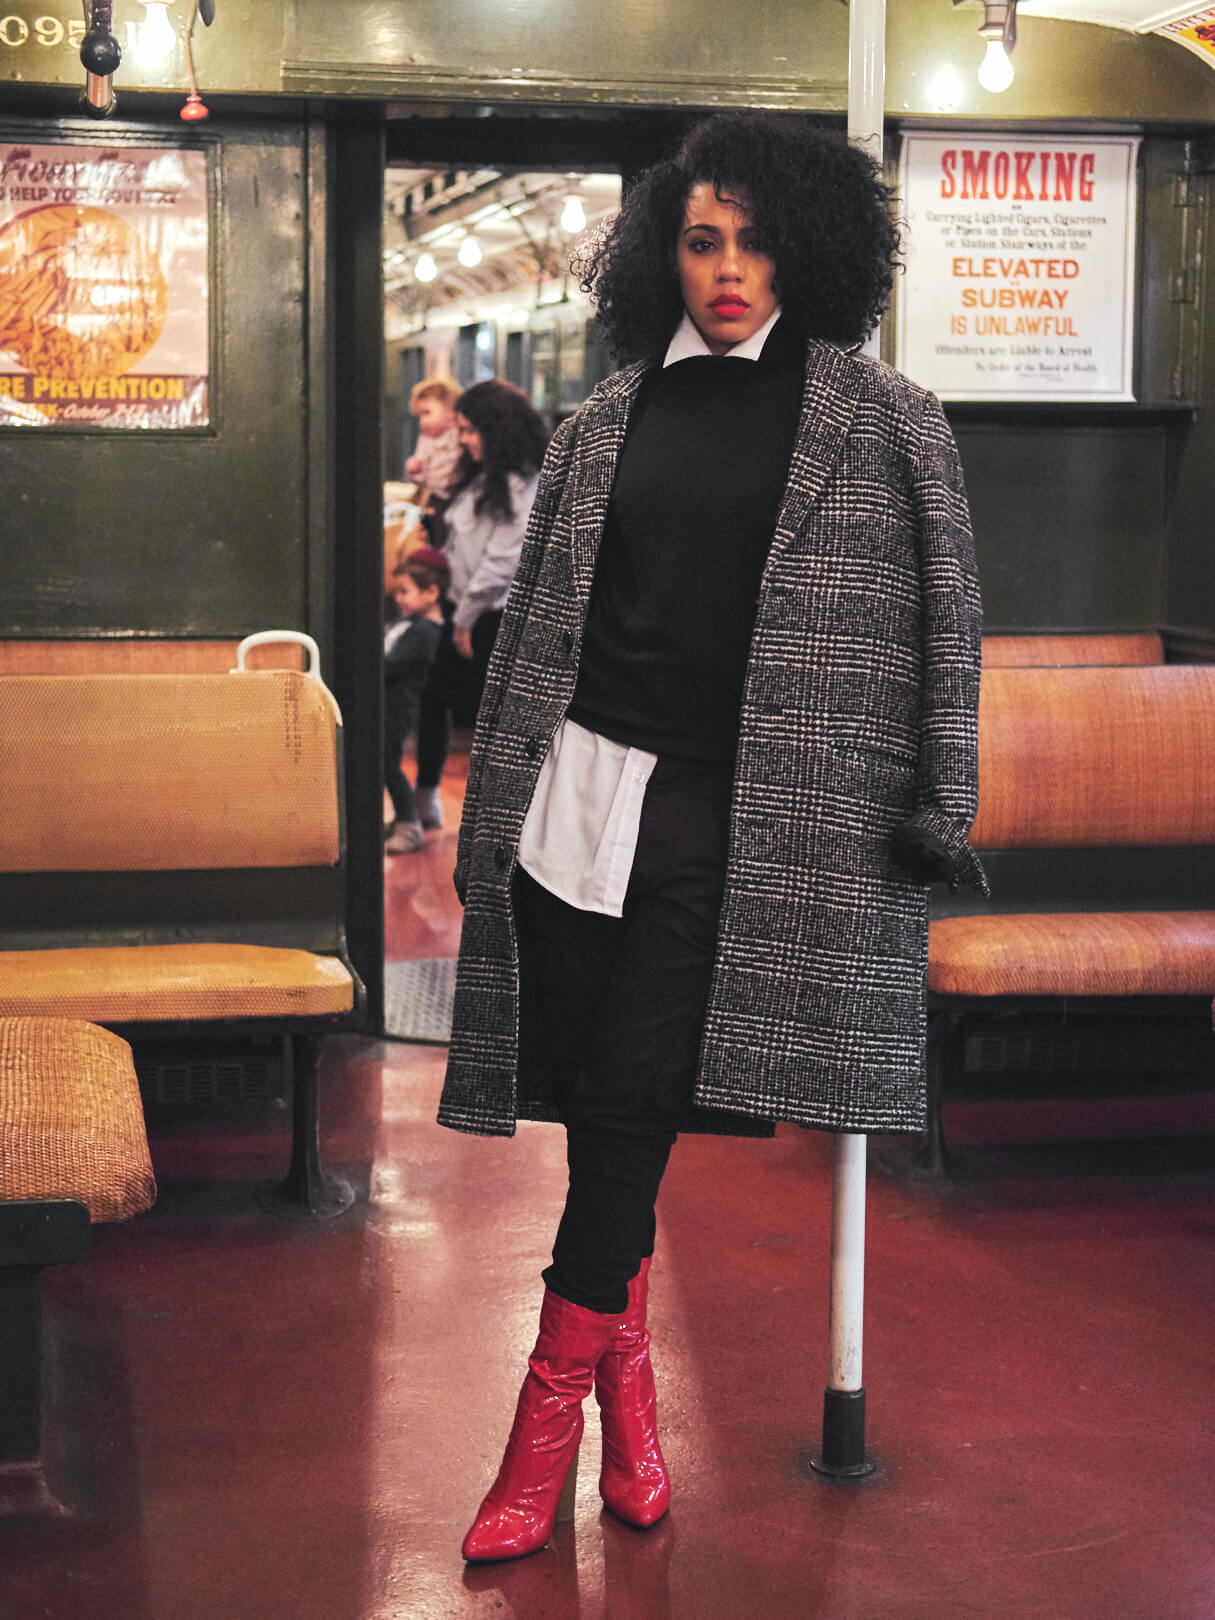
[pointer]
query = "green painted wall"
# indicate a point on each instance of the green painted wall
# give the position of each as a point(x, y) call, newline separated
point(201, 534)
point(1069, 519)
point(1190, 584)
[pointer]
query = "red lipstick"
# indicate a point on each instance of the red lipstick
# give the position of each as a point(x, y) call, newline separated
point(729, 304)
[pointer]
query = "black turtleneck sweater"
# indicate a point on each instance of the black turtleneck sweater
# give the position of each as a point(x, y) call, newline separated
point(697, 491)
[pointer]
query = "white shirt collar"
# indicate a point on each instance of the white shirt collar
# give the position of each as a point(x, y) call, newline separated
point(688, 342)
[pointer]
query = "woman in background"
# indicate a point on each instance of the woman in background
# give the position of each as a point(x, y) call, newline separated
point(503, 440)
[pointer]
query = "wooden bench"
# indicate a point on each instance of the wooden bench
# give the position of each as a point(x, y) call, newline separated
point(73, 1150)
point(171, 859)
point(1031, 652)
point(1096, 825)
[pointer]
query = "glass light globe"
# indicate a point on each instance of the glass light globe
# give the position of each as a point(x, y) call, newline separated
point(155, 42)
point(426, 269)
point(470, 252)
point(995, 70)
point(573, 216)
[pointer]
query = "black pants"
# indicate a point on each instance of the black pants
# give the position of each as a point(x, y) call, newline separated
point(395, 780)
point(454, 687)
point(615, 1007)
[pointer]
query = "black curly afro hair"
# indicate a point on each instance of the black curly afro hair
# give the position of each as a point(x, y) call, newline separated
point(818, 204)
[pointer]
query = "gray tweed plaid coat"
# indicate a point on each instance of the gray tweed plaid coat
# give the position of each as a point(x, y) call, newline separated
point(858, 715)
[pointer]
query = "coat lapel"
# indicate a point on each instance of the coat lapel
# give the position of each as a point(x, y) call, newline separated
point(827, 410)
point(600, 441)
point(826, 414)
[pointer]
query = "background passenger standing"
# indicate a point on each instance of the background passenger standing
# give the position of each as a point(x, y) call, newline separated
point(410, 646)
point(503, 440)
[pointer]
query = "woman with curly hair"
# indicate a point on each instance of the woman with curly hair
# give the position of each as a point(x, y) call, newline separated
point(727, 740)
point(502, 445)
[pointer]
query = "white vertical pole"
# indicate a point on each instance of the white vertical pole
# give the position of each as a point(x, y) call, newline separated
point(867, 85)
point(847, 1260)
point(843, 1451)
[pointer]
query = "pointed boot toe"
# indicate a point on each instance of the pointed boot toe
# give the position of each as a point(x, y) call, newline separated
point(518, 1514)
point(506, 1532)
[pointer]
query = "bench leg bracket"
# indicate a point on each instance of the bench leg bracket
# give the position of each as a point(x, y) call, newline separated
point(306, 1192)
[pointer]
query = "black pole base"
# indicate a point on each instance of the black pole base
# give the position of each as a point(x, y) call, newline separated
point(843, 1454)
point(315, 1197)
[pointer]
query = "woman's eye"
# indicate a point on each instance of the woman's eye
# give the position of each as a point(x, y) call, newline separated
point(700, 244)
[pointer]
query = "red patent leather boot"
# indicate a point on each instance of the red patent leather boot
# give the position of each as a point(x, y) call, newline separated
point(517, 1515)
point(633, 1480)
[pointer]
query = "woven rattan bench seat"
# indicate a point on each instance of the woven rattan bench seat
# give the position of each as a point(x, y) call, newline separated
point(1101, 953)
point(71, 1120)
point(154, 983)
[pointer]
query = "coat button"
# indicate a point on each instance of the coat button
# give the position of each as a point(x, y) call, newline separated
point(531, 747)
point(501, 857)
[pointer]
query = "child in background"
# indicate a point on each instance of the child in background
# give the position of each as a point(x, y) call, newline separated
point(437, 457)
point(410, 645)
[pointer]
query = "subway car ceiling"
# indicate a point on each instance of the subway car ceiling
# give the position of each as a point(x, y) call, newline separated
point(439, 55)
point(465, 246)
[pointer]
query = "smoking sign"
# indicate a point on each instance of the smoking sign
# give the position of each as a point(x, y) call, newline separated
point(1020, 269)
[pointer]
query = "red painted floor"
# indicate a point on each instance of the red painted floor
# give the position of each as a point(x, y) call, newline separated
point(257, 1419)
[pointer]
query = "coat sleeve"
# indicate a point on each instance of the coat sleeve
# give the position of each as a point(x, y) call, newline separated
point(551, 487)
point(947, 791)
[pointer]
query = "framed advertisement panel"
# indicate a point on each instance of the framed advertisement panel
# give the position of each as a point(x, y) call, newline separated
point(1020, 266)
point(104, 286)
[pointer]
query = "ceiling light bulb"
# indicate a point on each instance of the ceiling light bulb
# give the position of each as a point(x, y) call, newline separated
point(573, 216)
point(995, 70)
point(470, 252)
point(155, 41)
point(425, 269)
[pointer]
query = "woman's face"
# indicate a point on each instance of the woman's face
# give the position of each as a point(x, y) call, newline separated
point(469, 437)
point(724, 274)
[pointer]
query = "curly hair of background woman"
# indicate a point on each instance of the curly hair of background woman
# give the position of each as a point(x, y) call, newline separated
point(827, 223)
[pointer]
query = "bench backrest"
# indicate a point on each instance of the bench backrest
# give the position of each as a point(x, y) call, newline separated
point(121, 773)
point(1032, 652)
point(1096, 757)
point(139, 655)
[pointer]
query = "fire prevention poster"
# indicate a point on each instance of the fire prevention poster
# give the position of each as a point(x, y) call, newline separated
point(103, 287)
point(1020, 266)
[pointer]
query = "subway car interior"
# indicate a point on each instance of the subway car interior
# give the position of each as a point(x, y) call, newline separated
point(263, 1320)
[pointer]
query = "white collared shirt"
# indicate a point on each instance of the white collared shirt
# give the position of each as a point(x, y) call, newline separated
point(688, 342)
point(579, 836)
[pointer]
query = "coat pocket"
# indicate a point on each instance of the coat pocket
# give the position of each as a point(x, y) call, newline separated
point(875, 743)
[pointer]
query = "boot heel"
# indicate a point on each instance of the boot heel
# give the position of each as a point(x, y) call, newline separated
point(569, 1493)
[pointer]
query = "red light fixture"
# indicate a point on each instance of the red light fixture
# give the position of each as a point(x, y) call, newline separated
point(194, 111)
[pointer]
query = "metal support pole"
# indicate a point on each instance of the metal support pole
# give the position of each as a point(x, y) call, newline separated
point(843, 1453)
point(867, 86)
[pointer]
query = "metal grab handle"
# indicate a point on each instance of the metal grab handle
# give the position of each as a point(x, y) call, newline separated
point(297, 638)
point(266, 638)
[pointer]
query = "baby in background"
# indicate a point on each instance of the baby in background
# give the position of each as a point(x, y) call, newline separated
point(434, 462)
